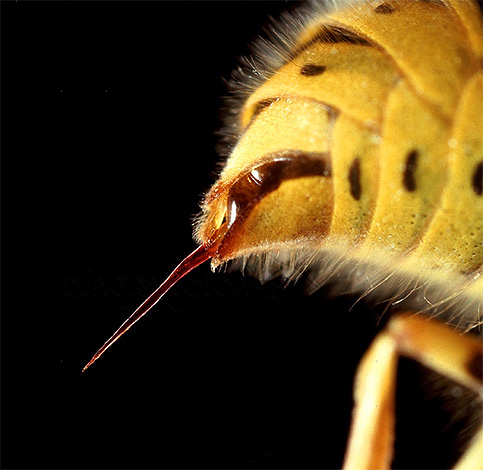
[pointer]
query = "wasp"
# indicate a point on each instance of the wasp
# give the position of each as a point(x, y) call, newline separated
point(355, 147)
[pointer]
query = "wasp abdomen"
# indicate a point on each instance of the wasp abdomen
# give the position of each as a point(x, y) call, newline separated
point(396, 113)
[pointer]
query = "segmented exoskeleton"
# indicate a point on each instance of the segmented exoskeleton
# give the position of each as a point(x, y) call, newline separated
point(385, 100)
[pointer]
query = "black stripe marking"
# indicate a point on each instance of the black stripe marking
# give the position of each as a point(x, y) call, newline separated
point(409, 180)
point(475, 366)
point(333, 35)
point(265, 178)
point(384, 8)
point(260, 180)
point(477, 180)
point(311, 70)
point(259, 107)
point(336, 34)
point(355, 179)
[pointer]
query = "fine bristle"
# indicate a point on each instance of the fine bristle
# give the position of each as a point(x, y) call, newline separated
point(374, 278)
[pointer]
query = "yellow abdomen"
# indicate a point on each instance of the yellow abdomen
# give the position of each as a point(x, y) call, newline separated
point(394, 108)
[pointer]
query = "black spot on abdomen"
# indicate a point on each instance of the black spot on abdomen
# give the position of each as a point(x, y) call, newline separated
point(477, 180)
point(355, 179)
point(409, 177)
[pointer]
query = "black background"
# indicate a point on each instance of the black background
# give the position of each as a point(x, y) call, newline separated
point(109, 113)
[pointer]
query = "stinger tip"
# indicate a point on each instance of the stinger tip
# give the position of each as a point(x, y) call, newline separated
point(198, 256)
point(89, 363)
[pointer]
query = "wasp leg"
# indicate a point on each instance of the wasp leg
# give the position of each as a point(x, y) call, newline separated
point(431, 343)
point(473, 457)
point(371, 438)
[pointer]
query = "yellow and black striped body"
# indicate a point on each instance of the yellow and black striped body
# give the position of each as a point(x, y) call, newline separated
point(362, 153)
